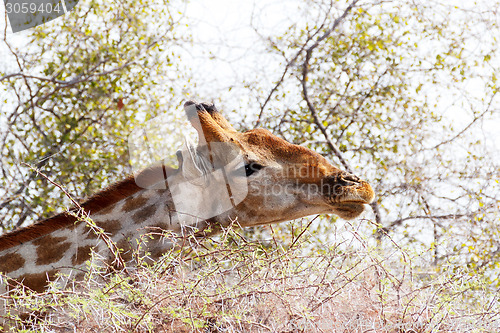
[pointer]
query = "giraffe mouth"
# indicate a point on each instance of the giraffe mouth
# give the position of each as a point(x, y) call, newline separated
point(349, 210)
point(350, 201)
point(344, 187)
point(354, 193)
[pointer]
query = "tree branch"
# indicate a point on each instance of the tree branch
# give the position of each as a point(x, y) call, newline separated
point(289, 64)
point(466, 128)
point(421, 217)
point(305, 71)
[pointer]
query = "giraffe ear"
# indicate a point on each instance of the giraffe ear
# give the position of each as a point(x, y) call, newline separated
point(208, 122)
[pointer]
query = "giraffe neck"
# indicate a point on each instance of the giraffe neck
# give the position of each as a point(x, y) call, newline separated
point(125, 213)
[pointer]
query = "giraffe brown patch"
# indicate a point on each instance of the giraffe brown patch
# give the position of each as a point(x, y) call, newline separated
point(50, 249)
point(144, 214)
point(131, 235)
point(155, 254)
point(11, 262)
point(106, 210)
point(134, 202)
point(37, 281)
point(83, 253)
point(165, 194)
point(111, 226)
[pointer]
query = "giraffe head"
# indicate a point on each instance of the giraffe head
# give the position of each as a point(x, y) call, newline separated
point(281, 181)
point(266, 180)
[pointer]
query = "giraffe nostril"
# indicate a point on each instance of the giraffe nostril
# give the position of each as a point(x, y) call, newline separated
point(345, 179)
point(350, 178)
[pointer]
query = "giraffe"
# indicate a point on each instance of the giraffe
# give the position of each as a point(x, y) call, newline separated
point(282, 181)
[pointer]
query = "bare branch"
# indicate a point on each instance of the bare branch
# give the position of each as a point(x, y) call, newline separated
point(82, 215)
point(289, 64)
point(305, 71)
point(466, 128)
point(426, 217)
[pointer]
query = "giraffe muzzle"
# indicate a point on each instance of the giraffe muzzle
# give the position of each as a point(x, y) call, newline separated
point(347, 188)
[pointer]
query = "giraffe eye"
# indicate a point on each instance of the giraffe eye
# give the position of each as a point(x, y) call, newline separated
point(252, 167)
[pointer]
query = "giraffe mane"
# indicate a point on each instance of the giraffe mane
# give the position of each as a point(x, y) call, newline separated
point(109, 196)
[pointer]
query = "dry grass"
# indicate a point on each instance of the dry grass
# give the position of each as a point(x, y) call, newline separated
point(233, 284)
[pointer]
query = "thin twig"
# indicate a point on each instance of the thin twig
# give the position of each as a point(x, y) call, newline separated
point(305, 71)
point(79, 213)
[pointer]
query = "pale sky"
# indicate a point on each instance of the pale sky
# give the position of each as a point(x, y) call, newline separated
point(226, 22)
point(223, 27)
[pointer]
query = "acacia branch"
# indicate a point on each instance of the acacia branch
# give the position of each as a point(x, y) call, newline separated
point(422, 217)
point(466, 128)
point(289, 64)
point(81, 215)
point(305, 71)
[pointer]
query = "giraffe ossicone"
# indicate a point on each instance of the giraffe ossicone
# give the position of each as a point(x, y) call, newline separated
point(251, 178)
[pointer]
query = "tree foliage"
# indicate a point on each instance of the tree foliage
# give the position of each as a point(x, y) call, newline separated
point(80, 84)
point(384, 89)
point(400, 93)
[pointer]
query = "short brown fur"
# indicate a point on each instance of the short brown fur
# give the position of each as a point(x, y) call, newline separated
point(11, 262)
point(96, 203)
point(55, 251)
